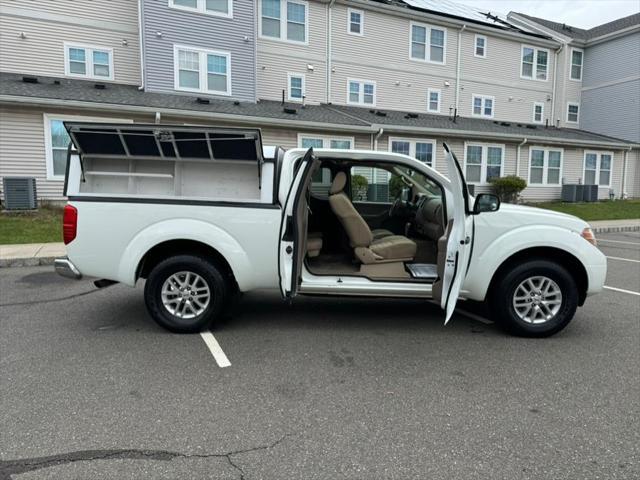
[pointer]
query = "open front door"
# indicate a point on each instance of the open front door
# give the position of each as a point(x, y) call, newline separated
point(293, 229)
point(454, 247)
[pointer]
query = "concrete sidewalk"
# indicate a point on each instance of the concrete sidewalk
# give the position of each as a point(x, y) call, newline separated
point(32, 254)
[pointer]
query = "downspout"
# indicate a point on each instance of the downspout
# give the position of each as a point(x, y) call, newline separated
point(141, 42)
point(521, 144)
point(328, 75)
point(376, 138)
point(458, 69)
point(555, 83)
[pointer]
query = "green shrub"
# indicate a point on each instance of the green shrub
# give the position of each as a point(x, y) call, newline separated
point(508, 188)
point(359, 185)
point(395, 186)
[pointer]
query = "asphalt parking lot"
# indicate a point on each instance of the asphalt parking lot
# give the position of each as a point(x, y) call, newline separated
point(320, 389)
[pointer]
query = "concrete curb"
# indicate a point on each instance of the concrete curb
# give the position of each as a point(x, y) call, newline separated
point(622, 228)
point(26, 262)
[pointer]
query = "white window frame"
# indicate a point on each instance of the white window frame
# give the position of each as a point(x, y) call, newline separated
point(427, 48)
point(89, 49)
point(326, 139)
point(483, 163)
point(483, 99)
point(598, 154)
point(47, 118)
point(429, 92)
point(360, 101)
point(534, 71)
point(283, 22)
point(412, 141)
point(576, 104)
point(202, 63)
point(533, 118)
point(359, 12)
point(475, 46)
point(545, 165)
point(571, 64)
point(202, 9)
point(291, 75)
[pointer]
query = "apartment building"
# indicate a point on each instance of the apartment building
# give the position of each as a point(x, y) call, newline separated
point(404, 76)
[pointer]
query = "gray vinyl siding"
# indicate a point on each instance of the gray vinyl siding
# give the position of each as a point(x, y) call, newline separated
point(47, 27)
point(179, 27)
point(611, 88)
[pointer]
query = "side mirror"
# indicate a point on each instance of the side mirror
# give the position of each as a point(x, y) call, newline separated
point(486, 202)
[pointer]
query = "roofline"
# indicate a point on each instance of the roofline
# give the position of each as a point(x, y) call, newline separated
point(559, 37)
point(227, 117)
point(301, 124)
point(412, 13)
point(611, 35)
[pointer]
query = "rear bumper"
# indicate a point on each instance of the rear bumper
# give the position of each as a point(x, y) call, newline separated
point(66, 268)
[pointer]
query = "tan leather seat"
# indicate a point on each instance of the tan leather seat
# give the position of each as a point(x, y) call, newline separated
point(368, 249)
point(314, 244)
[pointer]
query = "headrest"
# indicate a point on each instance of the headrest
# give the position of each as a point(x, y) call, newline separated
point(338, 183)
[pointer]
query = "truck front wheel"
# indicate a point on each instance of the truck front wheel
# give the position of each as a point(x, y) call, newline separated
point(185, 293)
point(534, 299)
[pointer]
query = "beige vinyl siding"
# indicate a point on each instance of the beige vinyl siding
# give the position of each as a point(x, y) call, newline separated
point(389, 37)
point(272, 79)
point(288, 138)
point(498, 76)
point(633, 174)
point(115, 11)
point(277, 57)
point(567, 90)
point(42, 51)
point(22, 145)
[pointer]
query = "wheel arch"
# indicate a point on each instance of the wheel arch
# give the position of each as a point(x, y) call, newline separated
point(569, 261)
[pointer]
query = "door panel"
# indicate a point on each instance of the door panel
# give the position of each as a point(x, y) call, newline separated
point(374, 213)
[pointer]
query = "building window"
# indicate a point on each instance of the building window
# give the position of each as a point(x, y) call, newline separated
point(576, 64)
point(220, 8)
point(480, 46)
point(319, 141)
point(545, 166)
point(355, 24)
point(534, 63)
point(198, 70)
point(284, 20)
point(483, 106)
point(483, 162)
point(361, 92)
point(88, 62)
point(56, 141)
point(538, 112)
point(296, 87)
point(423, 150)
point(433, 104)
point(597, 168)
point(428, 43)
point(573, 112)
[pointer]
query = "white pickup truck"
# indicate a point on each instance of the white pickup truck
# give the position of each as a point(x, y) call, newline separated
point(203, 213)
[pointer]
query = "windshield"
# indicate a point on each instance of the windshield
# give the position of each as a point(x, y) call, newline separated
point(419, 182)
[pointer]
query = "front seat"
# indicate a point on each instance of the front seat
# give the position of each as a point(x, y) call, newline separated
point(367, 248)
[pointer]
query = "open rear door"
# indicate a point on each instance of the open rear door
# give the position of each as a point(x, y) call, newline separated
point(455, 246)
point(293, 229)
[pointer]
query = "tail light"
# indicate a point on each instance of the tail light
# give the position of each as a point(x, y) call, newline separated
point(69, 224)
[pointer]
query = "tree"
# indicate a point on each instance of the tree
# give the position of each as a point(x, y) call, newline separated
point(359, 186)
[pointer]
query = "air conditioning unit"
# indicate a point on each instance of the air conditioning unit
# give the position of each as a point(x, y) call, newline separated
point(19, 193)
point(590, 193)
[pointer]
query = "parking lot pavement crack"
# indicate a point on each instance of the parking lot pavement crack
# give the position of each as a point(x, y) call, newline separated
point(49, 300)
point(17, 467)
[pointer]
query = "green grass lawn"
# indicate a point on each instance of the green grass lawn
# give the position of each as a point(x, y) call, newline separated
point(606, 210)
point(44, 225)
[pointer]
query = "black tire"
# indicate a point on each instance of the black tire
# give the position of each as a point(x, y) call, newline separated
point(210, 274)
point(503, 290)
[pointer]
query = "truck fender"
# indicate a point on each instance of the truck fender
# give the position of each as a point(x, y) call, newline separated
point(186, 229)
point(490, 257)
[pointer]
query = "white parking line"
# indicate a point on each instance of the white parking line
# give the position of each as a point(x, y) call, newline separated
point(214, 348)
point(603, 240)
point(622, 290)
point(623, 259)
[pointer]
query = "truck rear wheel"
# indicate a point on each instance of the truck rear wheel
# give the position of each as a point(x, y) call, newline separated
point(537, 298)
point(185, 293)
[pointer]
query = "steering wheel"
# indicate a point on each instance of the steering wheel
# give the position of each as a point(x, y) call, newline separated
point(395, 207)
